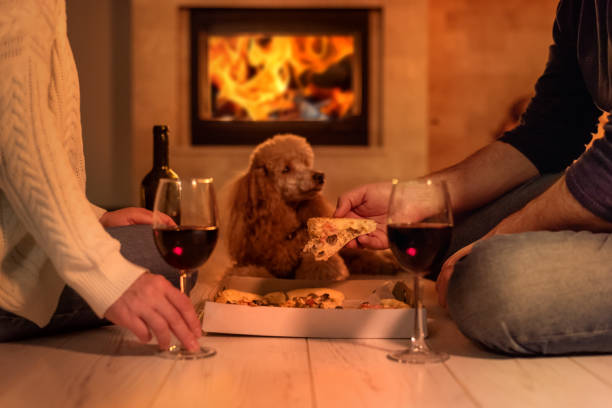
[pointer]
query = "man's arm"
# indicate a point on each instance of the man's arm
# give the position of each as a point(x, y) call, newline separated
point(477, 180)
point(485, 175)
point(554, 210)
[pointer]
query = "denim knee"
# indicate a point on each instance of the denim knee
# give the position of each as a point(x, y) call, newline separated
point(536, 293)
point(484, 297)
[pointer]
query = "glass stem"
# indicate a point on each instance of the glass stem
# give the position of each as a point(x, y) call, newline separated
point(184, 281)
point(418, 337)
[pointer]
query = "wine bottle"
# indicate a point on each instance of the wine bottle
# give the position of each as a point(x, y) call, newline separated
point(160, 169)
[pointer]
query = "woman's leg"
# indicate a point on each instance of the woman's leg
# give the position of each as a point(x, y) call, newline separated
point(72, 312)
point(536, 293)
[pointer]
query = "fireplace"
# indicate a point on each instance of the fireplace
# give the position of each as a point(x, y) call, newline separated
point(393, 90)
point(256, 72)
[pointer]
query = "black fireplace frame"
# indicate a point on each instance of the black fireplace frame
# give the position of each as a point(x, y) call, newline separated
point(351, 131)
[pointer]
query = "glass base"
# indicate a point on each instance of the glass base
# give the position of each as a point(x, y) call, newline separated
point(418, 355)
point(180, 353)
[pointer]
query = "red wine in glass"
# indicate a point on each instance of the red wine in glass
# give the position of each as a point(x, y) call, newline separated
point(418, 229)
point(417, 246)
point(186, 247)
point(185, 233)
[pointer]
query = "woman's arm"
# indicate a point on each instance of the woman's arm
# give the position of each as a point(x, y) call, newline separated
point(40, 135)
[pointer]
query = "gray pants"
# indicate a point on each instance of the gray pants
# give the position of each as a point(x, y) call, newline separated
point(72, 312)
point(534, 293)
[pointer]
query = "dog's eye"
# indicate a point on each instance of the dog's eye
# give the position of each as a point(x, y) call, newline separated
point(287, 169)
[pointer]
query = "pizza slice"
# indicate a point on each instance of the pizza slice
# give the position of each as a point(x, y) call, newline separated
point(328, 235)
point(385, 304)
point(238, 297)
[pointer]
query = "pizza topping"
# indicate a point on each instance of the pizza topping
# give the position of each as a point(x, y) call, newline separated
point(312, 300)
point(254, 302)
point(353, 231)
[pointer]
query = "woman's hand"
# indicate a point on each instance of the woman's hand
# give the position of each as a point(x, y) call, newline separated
point(151, 305)
point(126, 216)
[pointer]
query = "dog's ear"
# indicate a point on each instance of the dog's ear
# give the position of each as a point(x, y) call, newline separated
point(263, 196)
point(241, 216)
point(257, 213)
point(240, 201)
point(254, 192)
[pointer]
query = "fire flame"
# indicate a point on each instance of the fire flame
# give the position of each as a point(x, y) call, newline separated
point(259, 77)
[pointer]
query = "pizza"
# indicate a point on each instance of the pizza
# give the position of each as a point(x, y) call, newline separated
point(315, 298)
point(328, 235)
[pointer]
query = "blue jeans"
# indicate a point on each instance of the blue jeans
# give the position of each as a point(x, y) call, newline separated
point(534, 293)
point(72, 312)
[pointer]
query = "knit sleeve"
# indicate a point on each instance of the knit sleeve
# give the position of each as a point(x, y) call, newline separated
point(98, 211)
point(561, 118)
point(35, 171)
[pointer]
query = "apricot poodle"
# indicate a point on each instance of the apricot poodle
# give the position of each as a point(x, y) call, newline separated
point(268, 209)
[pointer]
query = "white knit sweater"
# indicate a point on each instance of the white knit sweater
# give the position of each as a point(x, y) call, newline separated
point(49, 232)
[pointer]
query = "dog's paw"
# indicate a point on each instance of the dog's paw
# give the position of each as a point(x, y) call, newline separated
point(332, 269)
point(370, 262)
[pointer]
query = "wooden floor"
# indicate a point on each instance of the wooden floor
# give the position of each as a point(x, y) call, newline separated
point(107, 368)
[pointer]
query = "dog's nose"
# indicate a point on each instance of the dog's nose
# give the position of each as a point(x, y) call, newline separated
point(319, 178)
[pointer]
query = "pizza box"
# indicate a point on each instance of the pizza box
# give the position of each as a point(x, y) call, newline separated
point(348, 322)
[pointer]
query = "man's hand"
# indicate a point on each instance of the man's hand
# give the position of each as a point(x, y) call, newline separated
point(151, 305)
point(126, 216)
point(368, 201)
point(447, 271)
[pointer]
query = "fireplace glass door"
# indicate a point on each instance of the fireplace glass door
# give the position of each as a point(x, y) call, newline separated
point(258, 72)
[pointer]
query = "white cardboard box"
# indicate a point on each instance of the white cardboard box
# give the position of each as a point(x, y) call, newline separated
point(323, 323)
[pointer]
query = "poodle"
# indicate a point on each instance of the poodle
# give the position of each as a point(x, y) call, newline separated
point(269, 206)
point(263, 223)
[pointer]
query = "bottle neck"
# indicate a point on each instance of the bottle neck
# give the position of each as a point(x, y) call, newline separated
point(160, 148)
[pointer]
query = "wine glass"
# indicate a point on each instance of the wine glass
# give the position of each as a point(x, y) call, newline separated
point(185, 233)
point(418, 228)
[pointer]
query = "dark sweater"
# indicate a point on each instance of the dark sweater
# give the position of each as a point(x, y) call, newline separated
point(570, 96)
